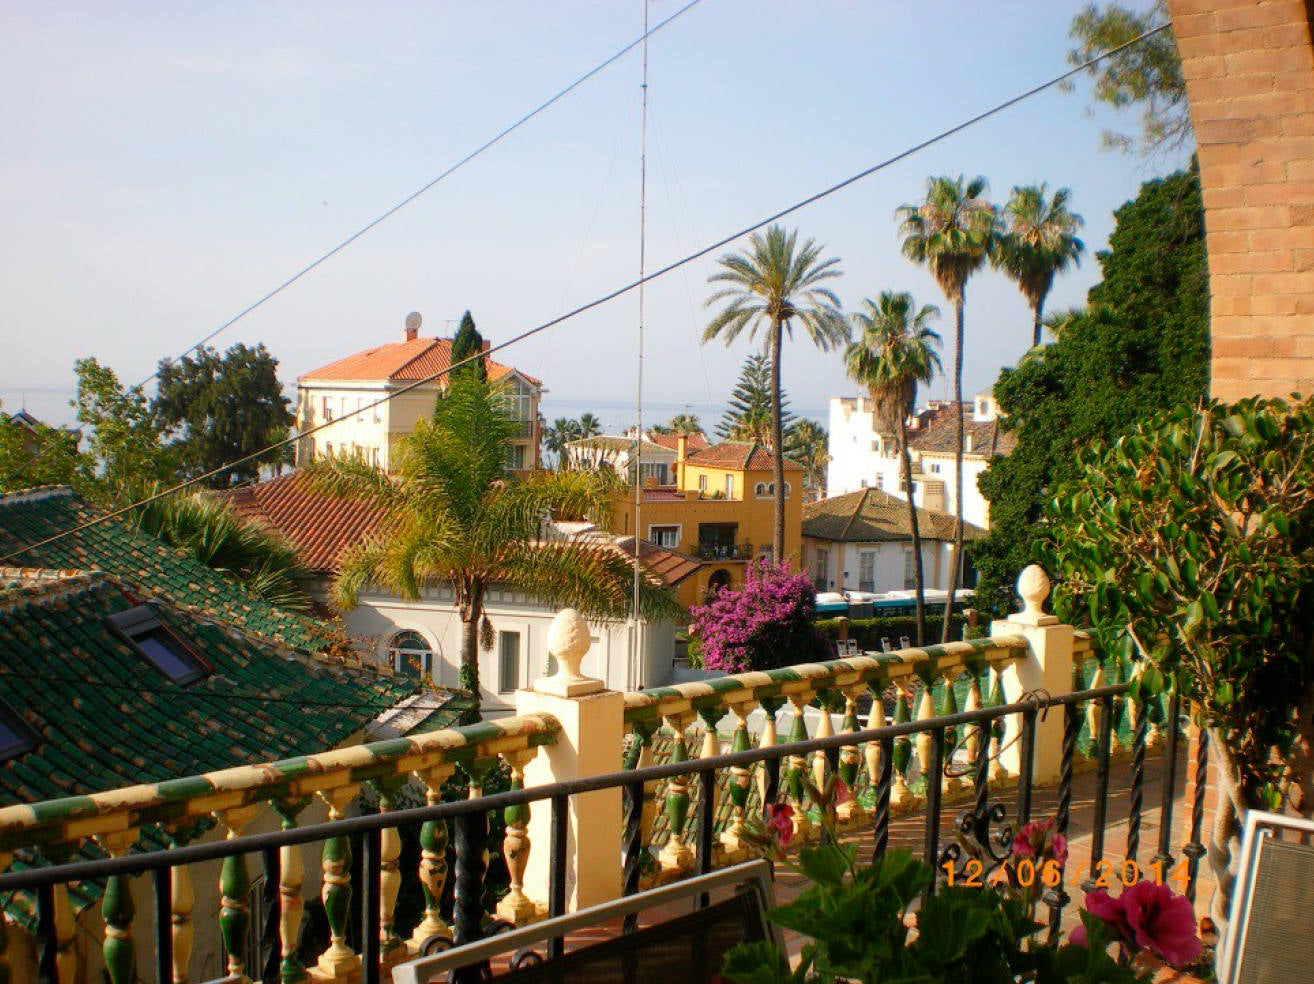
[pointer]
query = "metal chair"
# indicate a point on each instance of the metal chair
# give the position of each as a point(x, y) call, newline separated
point(725, 908)
point(1270, 929)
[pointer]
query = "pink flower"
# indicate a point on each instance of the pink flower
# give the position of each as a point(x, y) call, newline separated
point(842, 793)
point(1110, 912)
point(1037, 840)
point(1161, 921)
point(780, 819)
point(1078, 936)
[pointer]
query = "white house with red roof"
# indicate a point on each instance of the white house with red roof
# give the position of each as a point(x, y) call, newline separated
point(341, 395)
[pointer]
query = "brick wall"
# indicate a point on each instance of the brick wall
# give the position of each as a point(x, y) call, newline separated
point(1249, 68)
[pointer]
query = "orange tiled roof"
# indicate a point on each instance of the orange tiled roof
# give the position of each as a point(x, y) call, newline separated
point(321, 527)
point(696, 442)
point(668, 565)
point(739, 456)
point(402, 362)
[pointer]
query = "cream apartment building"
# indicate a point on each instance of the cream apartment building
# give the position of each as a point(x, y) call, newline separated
point(342, 393)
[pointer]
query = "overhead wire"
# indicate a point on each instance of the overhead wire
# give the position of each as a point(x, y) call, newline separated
point(614, 293)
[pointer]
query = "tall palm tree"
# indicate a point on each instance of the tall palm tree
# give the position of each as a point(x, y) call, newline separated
point(953, 232)
point(454, 515)
point(894, 352)
point(1039, 242)
point(589, 425)
point(770, 286)
point(562, 432)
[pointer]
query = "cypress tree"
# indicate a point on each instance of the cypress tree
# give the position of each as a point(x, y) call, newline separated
point(469, 342)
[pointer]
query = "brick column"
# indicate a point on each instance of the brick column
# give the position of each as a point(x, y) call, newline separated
point(1249, 70)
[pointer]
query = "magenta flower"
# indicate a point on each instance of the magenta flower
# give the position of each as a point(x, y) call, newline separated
point(842, 793)
point(766, 623)
point(1110, 912)
point(780, 820)
point(1161, 921)
point(1038, 840)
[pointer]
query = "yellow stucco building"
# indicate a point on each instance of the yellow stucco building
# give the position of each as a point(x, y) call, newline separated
point(720, 509)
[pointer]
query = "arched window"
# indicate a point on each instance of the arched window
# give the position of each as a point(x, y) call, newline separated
point(410, 655)
point(760, 490)
point(719, 581)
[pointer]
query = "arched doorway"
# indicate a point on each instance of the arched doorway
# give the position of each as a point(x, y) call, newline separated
point(719, 580)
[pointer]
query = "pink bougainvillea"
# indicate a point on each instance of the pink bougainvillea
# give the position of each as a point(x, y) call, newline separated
point(765, 624)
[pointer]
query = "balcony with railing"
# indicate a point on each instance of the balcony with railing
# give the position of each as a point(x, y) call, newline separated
point(599, 794)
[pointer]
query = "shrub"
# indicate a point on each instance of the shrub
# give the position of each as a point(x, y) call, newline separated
point(766, 624)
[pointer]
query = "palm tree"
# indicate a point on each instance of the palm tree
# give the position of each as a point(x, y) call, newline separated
point(453, 515)
point(681, 423)
point(213, 534)
point(894, 352)
point(1038, 243)
point(562, 432)
point(773, 284)
point(953, 232)
point(589, 425)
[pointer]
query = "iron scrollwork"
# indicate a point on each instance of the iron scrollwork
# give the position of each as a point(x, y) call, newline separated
point(982, 843)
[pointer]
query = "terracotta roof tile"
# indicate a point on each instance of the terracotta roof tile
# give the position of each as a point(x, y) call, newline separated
point(696, 442)
point(668, 565)
point(402, 362)
point(939, 434)
point(321, 527)
point(739, 456)
point(873, 516)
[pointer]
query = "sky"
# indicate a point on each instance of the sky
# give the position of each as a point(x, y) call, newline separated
point(165, 165)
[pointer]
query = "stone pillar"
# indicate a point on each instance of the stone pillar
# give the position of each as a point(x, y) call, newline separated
point(1045, 666)
point(590, 743)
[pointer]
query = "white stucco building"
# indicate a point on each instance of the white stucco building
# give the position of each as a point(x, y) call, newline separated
point(341, 395)
point(862, 456)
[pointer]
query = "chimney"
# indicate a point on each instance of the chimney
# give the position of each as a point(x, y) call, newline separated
point(681, 448)
point(413, 321)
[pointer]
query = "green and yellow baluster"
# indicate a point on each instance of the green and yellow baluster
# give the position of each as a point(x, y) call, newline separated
point(741, 780)
point(118, 911)
point(291, 903)
point(433, 860)
point(677, 854)
point(798, 765)
point(516, 907)
point(338, 961)
point(850, 756)
point(901, 794)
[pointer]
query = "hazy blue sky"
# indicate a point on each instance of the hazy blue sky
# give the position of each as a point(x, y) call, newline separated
point(165, 164)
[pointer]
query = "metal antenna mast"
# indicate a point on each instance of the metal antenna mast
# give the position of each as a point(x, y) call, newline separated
point(637, 649)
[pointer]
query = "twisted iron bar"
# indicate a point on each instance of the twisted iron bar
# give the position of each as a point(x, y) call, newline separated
point(881, 821)
point(1056, 898)
point(1137, 780)
point(1194, 848)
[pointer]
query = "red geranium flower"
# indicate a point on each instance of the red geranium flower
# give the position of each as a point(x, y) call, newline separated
point(1161, 921)
point(780, 819)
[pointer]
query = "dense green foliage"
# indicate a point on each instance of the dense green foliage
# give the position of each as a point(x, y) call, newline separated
point(466, 344)
point(1141, 346)
point(1189, 544)
point(681, 423)
point(1147, 75)
point(126, 450)
point(41, 456)
point(211, 533)
point(221, 409)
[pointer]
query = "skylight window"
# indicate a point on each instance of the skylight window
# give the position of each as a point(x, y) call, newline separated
point(141, 629)
point(15, 736)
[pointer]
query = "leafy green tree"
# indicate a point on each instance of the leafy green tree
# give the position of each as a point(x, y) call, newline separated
point(1140, 347)
point(556, 437)
point(748, 416)
point(1188, 545)
point(456, 516)
point(896, 350)
point(223, 408)
point(808, 443)
point(467, 343)
point(1148, 75)
point(40, 456)
point(773, 285)
point(1038, 243)
point(246, 552)
point(953, 232)
point(122, 436)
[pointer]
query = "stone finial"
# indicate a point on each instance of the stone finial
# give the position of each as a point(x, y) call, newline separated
point(1033, 587)
point(568, 641)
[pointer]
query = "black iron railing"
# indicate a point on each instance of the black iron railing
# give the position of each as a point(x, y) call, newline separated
point(949, 735)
